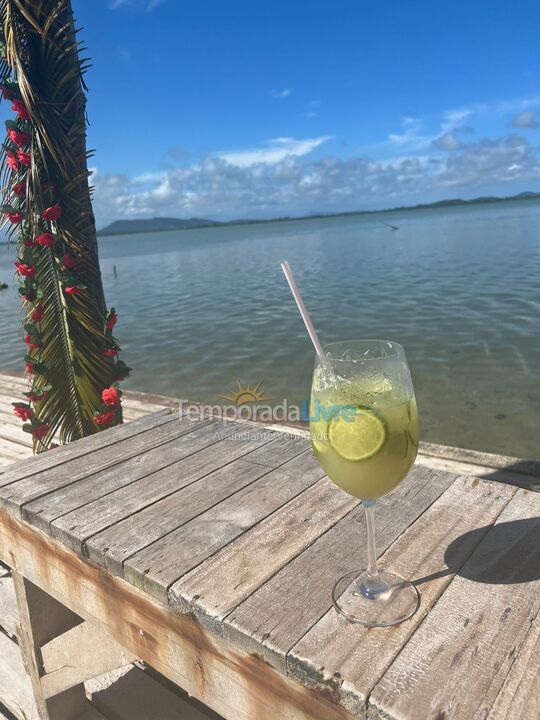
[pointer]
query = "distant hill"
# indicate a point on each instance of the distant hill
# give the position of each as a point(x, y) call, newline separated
point(121, 227)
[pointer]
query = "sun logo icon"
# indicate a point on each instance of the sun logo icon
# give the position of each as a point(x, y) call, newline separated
point(245, 394)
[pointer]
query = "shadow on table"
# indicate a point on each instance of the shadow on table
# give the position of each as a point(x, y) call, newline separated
point(501, 554)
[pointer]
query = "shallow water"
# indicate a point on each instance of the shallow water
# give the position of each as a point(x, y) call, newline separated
point(458, 287)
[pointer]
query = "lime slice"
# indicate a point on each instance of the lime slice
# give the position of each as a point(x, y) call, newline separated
point(359, 437)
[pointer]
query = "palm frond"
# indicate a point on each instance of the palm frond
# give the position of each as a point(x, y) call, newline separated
point(43, 61)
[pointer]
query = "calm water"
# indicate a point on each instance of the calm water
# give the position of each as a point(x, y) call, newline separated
point(459, 288)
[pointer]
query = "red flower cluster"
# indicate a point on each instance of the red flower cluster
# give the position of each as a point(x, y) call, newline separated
point(19, 189)
point(25, 270)
point(38, 314)
point(111, 321)
point(52, 213)
point(28, 366)
point(45, 240)
point(12, 161)
point(105, 418)
point(69, 262)
point(24, 157)
point(19, 138)
point(22, 411)
point(19, 107)
point(39, 431)
point(110, 396)
point(35, 397)
point(31, 345)
point(110, 352)
point(14, 217)
point(73, 290)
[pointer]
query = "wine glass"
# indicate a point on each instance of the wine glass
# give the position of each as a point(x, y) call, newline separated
point(364, 432)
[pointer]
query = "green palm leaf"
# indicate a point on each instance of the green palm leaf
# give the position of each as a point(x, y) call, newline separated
point(43, 54)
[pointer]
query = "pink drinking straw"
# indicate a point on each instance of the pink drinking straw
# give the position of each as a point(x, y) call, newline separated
point(303, 312)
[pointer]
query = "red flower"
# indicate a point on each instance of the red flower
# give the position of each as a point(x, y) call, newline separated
point(28, 366)
point(69, 262)
point(105, 418)
point(19, 107)
point(24, 157)
point(45, 240)
point(33, 397)
point(19, 138)
point(73, 290)
point(38, 314)
point(31, 345)
point(24, 412)
point(23, 269)
point(110, 396)
point(28, 242)
point(111, 320)
point(19, 189)
point(39, 431)
point(14, 217)
point(110, 352)
point(12, 160)
point(52, 213)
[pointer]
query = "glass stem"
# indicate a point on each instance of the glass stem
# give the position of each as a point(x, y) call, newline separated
point(371, 585)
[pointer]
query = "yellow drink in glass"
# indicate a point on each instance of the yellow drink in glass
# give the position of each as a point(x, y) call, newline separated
point(364, 432)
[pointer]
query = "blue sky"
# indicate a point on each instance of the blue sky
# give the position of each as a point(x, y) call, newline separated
point(256, 109)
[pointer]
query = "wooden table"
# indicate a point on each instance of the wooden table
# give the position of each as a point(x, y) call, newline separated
point(208, 549)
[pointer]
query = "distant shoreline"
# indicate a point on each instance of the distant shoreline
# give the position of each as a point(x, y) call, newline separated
point(318, 216)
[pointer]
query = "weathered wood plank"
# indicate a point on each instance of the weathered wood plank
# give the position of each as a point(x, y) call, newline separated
point(15, 688)
point(237, 685)
point(9, 613)
point(520, 479)
point(197, 459)
point(159, 565)
point(81, 653)
point(20, 492)
point(14, 433)
point(41, 617)
point(519, 696)
point(456, 664)
point(85, 446)
point(160, 449)
point(227, 585)
point(14, 452)
point(475, 457)
point(114, 545)
point(348, 660)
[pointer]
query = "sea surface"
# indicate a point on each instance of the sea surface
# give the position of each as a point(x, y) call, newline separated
point(458, 287)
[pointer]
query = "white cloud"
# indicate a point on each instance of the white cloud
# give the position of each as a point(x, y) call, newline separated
point(413, 137)
point(273, 151)
point(525, 119)
point(280, 94)
point(412, 128)
point(217, 188)
point(448, 141)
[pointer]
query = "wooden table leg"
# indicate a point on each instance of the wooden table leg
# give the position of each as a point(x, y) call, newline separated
point(41, 619)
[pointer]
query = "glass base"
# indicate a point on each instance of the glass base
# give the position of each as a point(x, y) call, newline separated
point(386, 600)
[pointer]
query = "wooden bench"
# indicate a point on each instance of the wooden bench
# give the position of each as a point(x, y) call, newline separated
point(208, 549)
